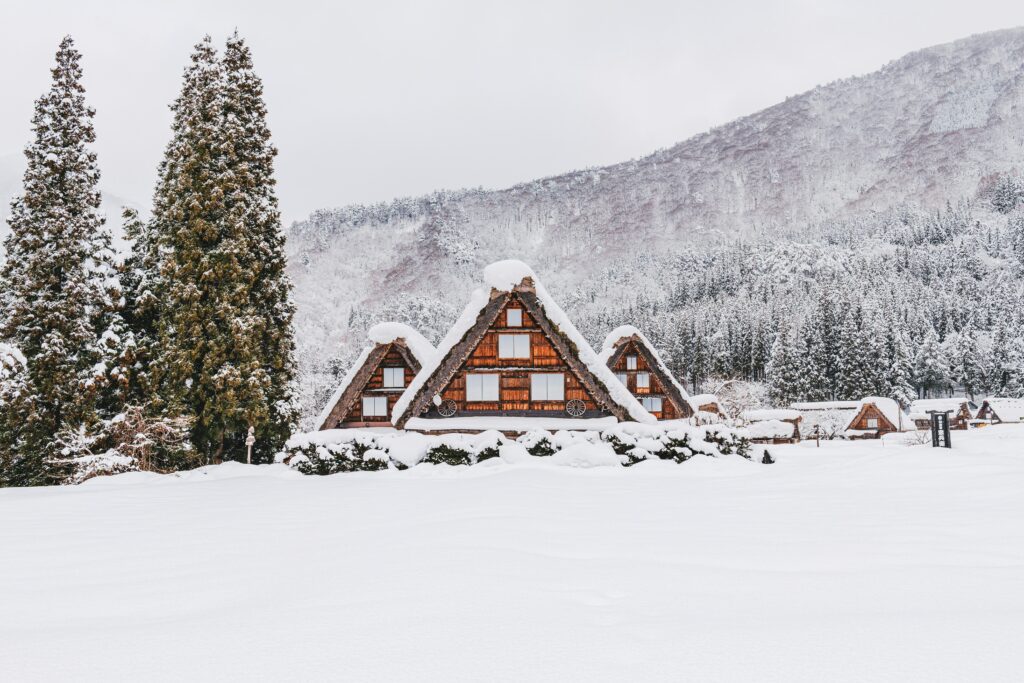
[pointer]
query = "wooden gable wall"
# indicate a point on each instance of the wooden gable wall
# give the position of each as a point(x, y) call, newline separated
point(870, 411)
point(656, 388)
point(514, 373)
point(371, 379)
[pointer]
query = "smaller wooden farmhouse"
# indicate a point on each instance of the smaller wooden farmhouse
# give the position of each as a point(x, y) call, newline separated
point(513, 362)
point(999, 410)
point(876, 416)
point(709, 409)
point(637, 365)
point(961, 411)
point(778, 425)
point(366, 396)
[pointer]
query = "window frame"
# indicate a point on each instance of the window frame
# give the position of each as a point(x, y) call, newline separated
point(646, 379)
point(374, 401)
point(508, 317)
point(548, 382)
point(385, 377)
point(631, 361)
point(870, 420)
point(483, 386)
point(650, 400)
point(515, 339)
point(623, 377)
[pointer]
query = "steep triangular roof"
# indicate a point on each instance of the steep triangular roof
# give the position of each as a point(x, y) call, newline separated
point(888, 408)
point(616, 343)
point(508, 279)
point(412, 346)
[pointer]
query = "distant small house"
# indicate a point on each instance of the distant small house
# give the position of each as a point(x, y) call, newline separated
point(636, 364)
point(780, 425)
point(875, 416)
point(709, 408)
point(366, 396)
point(961, 411)
point(998, 410)
point(825, 419)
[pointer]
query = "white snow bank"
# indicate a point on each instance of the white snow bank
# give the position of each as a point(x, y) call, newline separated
point(771, 429)
point(771, 414)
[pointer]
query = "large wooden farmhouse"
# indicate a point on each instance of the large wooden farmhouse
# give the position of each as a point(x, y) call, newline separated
point(961, 411)
point(367, 395)
point(637, 365)
point(514, 362)
point(997, 410)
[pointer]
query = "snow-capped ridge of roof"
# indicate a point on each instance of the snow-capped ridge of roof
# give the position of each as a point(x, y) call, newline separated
point(890, 409)
point(504, 276)
point(388, 332)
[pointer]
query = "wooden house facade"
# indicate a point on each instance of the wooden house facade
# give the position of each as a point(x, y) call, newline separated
point(367, 395)
point(877, 416)
point(514, 362)
point(637, 365)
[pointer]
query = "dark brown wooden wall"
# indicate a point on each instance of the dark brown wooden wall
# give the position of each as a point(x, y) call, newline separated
point(514, 382)
point(870, 411)
point(668, 410)
point(375, 387)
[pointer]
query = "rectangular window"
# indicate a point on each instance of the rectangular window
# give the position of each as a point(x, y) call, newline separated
point(394, 377)
point(651, 404)
point(872, 423)
point(514, 317)
point(643, 380)
point(622, 377)
point(549, 386)
point(375, 406)
point(513, 346)
point(631, 362)
point(481, 387)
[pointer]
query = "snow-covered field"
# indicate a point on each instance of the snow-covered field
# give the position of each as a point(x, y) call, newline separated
point(856, 561)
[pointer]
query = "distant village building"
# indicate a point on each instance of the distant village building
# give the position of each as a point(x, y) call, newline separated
point(513, 362)
point(825, 419)
point(367, 395)
point(961, 411)
point(876, 416)
point(637, 365)
point(999, 410)
point(709, 409)
point(774, 425)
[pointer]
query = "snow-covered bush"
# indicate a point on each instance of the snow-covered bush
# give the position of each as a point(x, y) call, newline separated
point(537, 443)
point(444, 454)
point(361, 453)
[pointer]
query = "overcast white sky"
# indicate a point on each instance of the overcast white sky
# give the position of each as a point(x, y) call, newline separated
point(373, 100)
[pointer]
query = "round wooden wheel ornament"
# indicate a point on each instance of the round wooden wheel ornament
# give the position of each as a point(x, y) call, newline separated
point(576, 407)
point(447, 408)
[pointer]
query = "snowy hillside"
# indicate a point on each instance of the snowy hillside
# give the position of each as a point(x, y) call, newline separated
point(856, 561)
point(935, 126)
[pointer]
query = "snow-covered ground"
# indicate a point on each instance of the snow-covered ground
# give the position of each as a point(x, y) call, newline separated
point(853, 561)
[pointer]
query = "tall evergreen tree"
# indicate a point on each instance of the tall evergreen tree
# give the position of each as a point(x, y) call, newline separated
point(224, 328)
point(57, 281)
point(929, 366)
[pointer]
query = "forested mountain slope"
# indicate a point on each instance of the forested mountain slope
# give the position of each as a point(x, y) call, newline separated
point(762, 204)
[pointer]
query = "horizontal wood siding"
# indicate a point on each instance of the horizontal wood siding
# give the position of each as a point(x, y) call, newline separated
point(375, 387)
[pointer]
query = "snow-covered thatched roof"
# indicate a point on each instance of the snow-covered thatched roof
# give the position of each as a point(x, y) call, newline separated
point(1007, 409)
point(808, 406)
point(920, 408)
point(889, 409)
point(380, 335)
point(761, 415)
point(503, 278)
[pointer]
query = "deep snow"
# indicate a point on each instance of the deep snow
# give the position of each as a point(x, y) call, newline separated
point(853, 561)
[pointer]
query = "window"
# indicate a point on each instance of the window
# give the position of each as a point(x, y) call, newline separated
point(394, 377)
point(549, 386)
point(651, 404)
point(514, 317)
point(643, 380)
point(872, 423)
point(481, 387)
point(513, 346)
point(631, 362)
point(375, 406)
point(622, 377)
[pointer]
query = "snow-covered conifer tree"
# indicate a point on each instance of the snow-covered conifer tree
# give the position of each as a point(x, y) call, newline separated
point(930, 374)
point(59, 289)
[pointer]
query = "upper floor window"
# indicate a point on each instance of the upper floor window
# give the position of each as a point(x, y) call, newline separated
point(643, 380)
point(622, 377)
point(547, 386)
point(481, 386)
point(375, 406)
point(394, 377)
point(631, 362)
point(514, 317)
point(872, 423)
point(513, 346)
